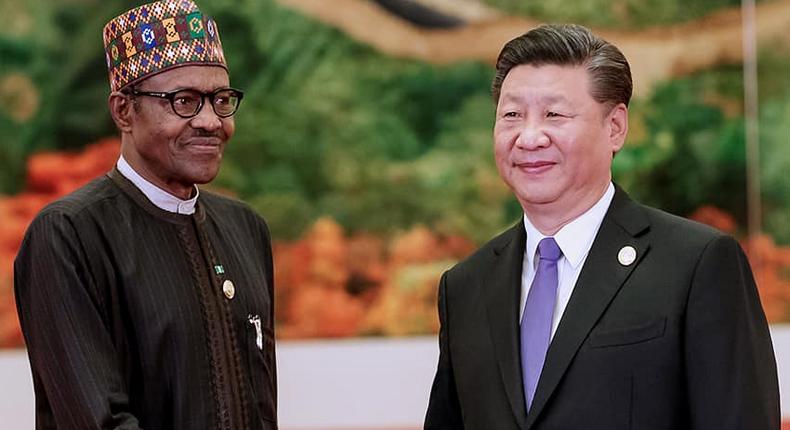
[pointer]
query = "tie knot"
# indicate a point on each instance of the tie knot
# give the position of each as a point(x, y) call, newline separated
point(549, 250)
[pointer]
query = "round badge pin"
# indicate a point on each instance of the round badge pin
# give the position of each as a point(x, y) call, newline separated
point(627, 255)
point(229, 289)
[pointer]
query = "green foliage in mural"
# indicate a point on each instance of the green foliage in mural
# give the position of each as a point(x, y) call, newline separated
point(334, 128)
point(329, 126)
point(689, 150)
point(687, 145)
point(775, 168)
point(54, 72)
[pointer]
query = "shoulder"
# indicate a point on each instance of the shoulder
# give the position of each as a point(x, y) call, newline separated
point(696, 241)
point(228, 208)
point(662, 228)
point(85, 199)
point(681, 231)
point(676, 243)
point(62, 223)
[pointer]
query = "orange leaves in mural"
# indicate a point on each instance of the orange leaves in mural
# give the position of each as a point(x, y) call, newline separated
point(50, 175)
point(770, 262)
point(330, 284)
point(59, 173)
point(318, 265)
point(771, 267)
point(715, 218)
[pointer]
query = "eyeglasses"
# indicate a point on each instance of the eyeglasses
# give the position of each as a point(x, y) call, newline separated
point(187, 103)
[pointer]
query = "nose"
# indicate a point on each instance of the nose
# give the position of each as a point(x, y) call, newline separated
point(531, 137)
point(206, 118)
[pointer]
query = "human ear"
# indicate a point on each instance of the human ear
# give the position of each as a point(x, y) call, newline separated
point(618, 126)
point(122, 110)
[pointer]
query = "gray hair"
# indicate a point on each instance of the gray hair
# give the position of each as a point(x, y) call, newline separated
point(569, 45)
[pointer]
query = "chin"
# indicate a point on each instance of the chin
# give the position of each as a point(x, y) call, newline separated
point(203, 177)
point(535, 195)
point(204, 171)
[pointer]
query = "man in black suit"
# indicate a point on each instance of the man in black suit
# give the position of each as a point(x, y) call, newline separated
point(594, 312)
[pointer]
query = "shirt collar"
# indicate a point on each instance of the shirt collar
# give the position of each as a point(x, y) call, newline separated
point(575, 238)
point(159, 197)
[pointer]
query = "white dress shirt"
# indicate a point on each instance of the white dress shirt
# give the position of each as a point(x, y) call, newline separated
point(575, 240)
point(159, 197)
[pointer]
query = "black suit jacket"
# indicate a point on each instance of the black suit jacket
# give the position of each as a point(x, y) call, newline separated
point(675, 340)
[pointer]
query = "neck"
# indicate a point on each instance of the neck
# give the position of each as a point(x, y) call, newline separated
point(550, 217)
point(175, 188)
point(183, 193)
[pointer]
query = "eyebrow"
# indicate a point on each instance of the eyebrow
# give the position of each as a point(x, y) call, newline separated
point(546, 99)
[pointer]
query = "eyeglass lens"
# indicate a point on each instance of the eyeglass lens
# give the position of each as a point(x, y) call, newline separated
point(188, 102)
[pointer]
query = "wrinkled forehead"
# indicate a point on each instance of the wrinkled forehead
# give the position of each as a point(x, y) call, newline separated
point(549, 81)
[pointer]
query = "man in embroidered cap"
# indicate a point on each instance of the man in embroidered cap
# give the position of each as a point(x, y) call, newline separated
point(593, 312)
point(146, 302)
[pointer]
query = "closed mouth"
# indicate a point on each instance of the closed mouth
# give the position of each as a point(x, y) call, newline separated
point(205, 146)
point(534, 166)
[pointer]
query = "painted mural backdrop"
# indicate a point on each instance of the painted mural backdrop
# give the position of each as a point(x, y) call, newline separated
point(365, 136)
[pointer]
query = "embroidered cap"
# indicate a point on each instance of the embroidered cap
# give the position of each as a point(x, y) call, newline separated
point(158, 36)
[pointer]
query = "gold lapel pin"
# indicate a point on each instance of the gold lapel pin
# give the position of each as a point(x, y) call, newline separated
point(229, 289)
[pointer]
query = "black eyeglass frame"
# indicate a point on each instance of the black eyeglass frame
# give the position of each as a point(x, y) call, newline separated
point(171, 96)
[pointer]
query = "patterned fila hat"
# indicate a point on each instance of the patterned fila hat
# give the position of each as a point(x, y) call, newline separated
point(158, 36)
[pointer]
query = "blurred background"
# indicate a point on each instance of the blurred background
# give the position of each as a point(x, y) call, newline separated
point(364, 139)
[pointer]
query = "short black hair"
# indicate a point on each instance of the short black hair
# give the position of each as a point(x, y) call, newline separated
point(569, 45)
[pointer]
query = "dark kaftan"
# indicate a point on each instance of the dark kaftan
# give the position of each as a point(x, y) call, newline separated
point(126, 321)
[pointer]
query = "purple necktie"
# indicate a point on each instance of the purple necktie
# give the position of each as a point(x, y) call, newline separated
point(538, 313)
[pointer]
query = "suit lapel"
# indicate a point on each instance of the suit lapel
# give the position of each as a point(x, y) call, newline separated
point(503, 292)
point(601, 278)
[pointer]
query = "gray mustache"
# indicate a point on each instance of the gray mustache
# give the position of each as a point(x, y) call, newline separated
point(205, 133)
